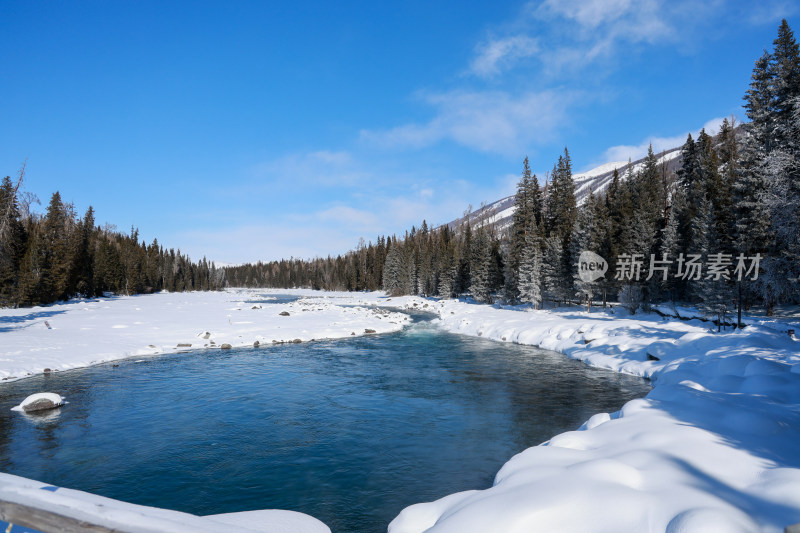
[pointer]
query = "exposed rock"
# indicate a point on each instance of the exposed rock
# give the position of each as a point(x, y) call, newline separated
point(256, 307)
point(284, 313)
point(353, 333)
point(184, 345)
point(226, 346)
point(256, 344)
point(46, 370)
point(368, 331)
point(207, 335)
point(297, 341)
point(651, 357)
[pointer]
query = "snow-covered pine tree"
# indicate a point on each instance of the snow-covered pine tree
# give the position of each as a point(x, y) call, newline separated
point(523, 213)
point(391, 271)
point(669, 246)
point(714, 291)
point(551, 267)
point(530, 273)
point(584, 240)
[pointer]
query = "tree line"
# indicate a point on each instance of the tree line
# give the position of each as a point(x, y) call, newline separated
point(58, 255)
point(722, 230)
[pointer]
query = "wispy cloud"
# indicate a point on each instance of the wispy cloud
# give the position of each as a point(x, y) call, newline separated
point(488, 121)
point(329, 231)
point(496, 55)
point(628, 20)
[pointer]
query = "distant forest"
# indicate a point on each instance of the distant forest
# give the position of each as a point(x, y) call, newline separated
point(57, 256)
point(722, 230)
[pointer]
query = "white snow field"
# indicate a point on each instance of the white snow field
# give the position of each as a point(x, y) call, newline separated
point(714, 447)
point(85, 332)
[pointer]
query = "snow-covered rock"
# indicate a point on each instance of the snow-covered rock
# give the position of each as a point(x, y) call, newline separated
point(42, 401)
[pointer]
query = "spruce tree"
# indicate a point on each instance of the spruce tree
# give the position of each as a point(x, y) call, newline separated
point(530, 274)
point(584, 239)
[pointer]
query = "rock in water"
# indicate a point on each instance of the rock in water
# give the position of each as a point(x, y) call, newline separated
point(226, 346)
point(41, 402)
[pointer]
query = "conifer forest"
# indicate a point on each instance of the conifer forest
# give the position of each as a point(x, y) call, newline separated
point(723, 231)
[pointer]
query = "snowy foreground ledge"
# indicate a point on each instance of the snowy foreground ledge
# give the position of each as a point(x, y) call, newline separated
point(75, 507)
point(86, 332)
point(714, 447)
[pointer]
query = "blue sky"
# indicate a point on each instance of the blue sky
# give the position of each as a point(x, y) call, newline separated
point(259, 130)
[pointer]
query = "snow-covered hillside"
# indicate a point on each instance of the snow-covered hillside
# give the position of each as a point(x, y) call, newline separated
point(596, 180)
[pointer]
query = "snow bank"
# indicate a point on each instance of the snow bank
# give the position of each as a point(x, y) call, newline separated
point(85, 332)
point(116, 515)
point(713, 447)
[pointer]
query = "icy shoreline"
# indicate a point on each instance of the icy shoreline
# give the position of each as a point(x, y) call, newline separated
point(713, 447)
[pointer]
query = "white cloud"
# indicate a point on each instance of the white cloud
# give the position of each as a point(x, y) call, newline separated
point(624, 152)
point(488, 121)
point(497, 55)
point(588, 31)
point(588, 13)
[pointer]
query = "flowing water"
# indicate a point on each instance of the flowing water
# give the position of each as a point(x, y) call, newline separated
point(350, 431)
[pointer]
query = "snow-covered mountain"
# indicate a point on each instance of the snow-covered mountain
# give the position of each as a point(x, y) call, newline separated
point(596, 180)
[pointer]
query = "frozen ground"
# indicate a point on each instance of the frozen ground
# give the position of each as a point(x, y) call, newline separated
point(713, 447)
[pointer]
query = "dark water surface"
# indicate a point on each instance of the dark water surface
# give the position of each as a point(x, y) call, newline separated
point(349, 431)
